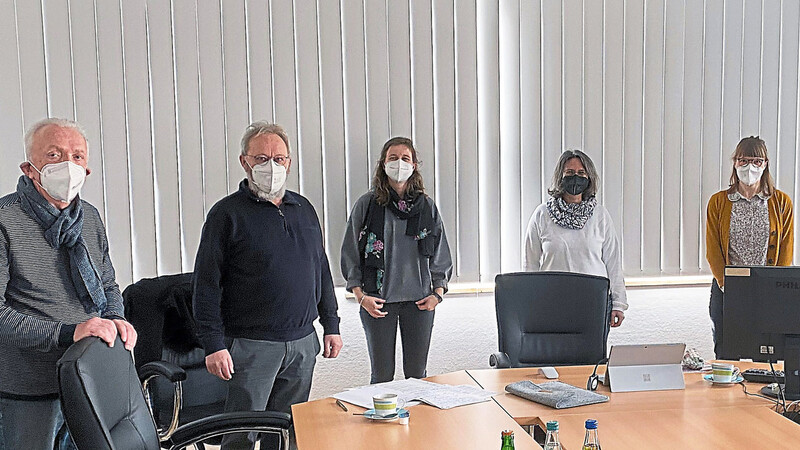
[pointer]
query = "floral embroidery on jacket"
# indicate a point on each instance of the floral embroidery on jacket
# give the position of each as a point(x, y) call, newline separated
point(374, 246)
point(379, 277)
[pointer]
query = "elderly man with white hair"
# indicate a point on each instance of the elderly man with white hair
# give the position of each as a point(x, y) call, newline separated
point(261, 279)
point(57, 284)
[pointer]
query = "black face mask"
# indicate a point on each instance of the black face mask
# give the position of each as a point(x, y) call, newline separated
point(574, 184)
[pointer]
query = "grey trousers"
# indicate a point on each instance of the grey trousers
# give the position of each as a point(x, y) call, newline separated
point(268, 375)
point(415, 333)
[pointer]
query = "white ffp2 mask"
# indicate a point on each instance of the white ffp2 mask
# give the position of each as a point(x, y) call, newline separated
point(62, 181)
point(398, 170)
point(269, 177)
point(749, 174)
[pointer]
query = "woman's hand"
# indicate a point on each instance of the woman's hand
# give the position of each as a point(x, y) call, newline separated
point(428, 303)
point(616, 318)
point(373, 305)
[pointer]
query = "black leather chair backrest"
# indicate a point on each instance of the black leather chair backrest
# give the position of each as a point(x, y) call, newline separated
point(552, 318)
point(102, 398)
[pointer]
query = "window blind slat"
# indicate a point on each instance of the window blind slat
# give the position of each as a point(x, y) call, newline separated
point(11, 128)
point(673, 150)
point(59, 58)
point(692, 198)
point(114, 139)
point(212, 106)
point(334, 150)
point(444, 98)
point(509, 157)
point(137, 106)
point(164, 141)
point(467, 236)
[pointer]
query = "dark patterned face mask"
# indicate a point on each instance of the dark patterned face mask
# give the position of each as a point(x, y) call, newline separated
point(574, 184)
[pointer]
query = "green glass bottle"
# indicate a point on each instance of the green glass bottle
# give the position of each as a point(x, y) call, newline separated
point(507, 437)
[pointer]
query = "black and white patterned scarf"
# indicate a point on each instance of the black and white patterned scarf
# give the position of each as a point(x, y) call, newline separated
point(571, 215)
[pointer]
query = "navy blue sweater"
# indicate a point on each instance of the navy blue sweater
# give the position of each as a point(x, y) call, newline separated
point(261, 272)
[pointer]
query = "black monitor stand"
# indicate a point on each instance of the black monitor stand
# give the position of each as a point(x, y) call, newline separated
point(791, 370)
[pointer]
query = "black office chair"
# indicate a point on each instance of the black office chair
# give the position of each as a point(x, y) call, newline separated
point(105, 408)
point(160, 309)
point(550, 318)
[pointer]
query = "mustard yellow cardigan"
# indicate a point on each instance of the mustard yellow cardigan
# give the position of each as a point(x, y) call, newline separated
point(718, 225)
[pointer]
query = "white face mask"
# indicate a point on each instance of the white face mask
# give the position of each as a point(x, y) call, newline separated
point(398, 170)
point(268, 177)
point(63, 181)
point(750, 174)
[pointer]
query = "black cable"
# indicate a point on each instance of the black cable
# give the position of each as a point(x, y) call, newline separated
point(782, 398)
point(771, 399)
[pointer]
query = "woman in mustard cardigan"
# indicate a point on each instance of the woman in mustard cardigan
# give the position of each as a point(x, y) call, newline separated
point(751, 224)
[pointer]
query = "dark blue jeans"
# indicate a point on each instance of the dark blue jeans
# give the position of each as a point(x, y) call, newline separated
point(415, 332)
point(32, 425)
point(715, 311)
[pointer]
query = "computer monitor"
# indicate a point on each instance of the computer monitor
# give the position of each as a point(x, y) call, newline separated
point(761, 318)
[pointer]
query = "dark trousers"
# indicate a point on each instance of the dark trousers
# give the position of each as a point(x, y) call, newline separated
point(415, 333)
point(33, 425)
point(715, 311)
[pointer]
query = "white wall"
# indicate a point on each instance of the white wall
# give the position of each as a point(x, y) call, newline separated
point(465, 333)
point(657, 92)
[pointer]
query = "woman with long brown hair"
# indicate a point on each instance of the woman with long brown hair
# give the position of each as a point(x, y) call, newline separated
point(396, 261)
point(751, 223)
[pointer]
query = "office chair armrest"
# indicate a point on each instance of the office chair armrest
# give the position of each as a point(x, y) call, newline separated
point(166, 369)
point(219, 424)
point(499, 360)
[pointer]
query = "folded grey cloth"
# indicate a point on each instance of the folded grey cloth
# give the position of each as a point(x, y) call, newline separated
point(555, 394)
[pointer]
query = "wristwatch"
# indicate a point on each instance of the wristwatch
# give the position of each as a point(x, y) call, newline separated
point(438, 297)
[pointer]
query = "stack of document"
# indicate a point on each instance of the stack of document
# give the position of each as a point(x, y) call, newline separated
point(412, 391)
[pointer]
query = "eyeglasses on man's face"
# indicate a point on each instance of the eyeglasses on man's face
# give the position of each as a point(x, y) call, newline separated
point(571, 172)
point(743, 161)
point(263, 159)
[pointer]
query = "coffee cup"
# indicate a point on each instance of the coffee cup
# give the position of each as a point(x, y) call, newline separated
point(723, 372)
point(385, 404)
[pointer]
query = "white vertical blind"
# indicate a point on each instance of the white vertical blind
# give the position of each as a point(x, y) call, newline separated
point(657, 92)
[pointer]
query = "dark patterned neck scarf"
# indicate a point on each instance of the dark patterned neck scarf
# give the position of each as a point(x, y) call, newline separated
point(570, 215)
point(62, 229)
point(419, 224)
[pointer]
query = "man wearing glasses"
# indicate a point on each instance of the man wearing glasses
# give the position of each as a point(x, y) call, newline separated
point(261, 279)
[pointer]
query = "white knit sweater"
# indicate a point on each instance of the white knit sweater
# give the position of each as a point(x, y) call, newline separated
point(593, 250)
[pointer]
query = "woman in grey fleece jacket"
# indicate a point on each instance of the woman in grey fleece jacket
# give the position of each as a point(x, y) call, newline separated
point(396, 261)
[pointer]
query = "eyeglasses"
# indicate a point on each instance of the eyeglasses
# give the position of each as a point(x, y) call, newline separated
point(263, 159)
point(758, 162)
point(580, 173)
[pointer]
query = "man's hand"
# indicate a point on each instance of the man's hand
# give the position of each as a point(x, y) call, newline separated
point(126, 333)
point(105, 329)
point(331, 345)
point(616, 318)
point(220, 364)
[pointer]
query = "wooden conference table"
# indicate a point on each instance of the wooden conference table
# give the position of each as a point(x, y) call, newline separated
point(701, 416)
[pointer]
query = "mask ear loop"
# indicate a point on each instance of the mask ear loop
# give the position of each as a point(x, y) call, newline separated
point(37, 170)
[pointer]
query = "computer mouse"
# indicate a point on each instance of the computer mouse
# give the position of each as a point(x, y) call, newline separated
point(549, 372)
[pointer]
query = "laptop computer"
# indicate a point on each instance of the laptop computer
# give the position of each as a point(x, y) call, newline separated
point(645, 367)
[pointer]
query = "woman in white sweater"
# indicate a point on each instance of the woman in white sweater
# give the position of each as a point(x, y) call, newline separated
point(571, 232)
